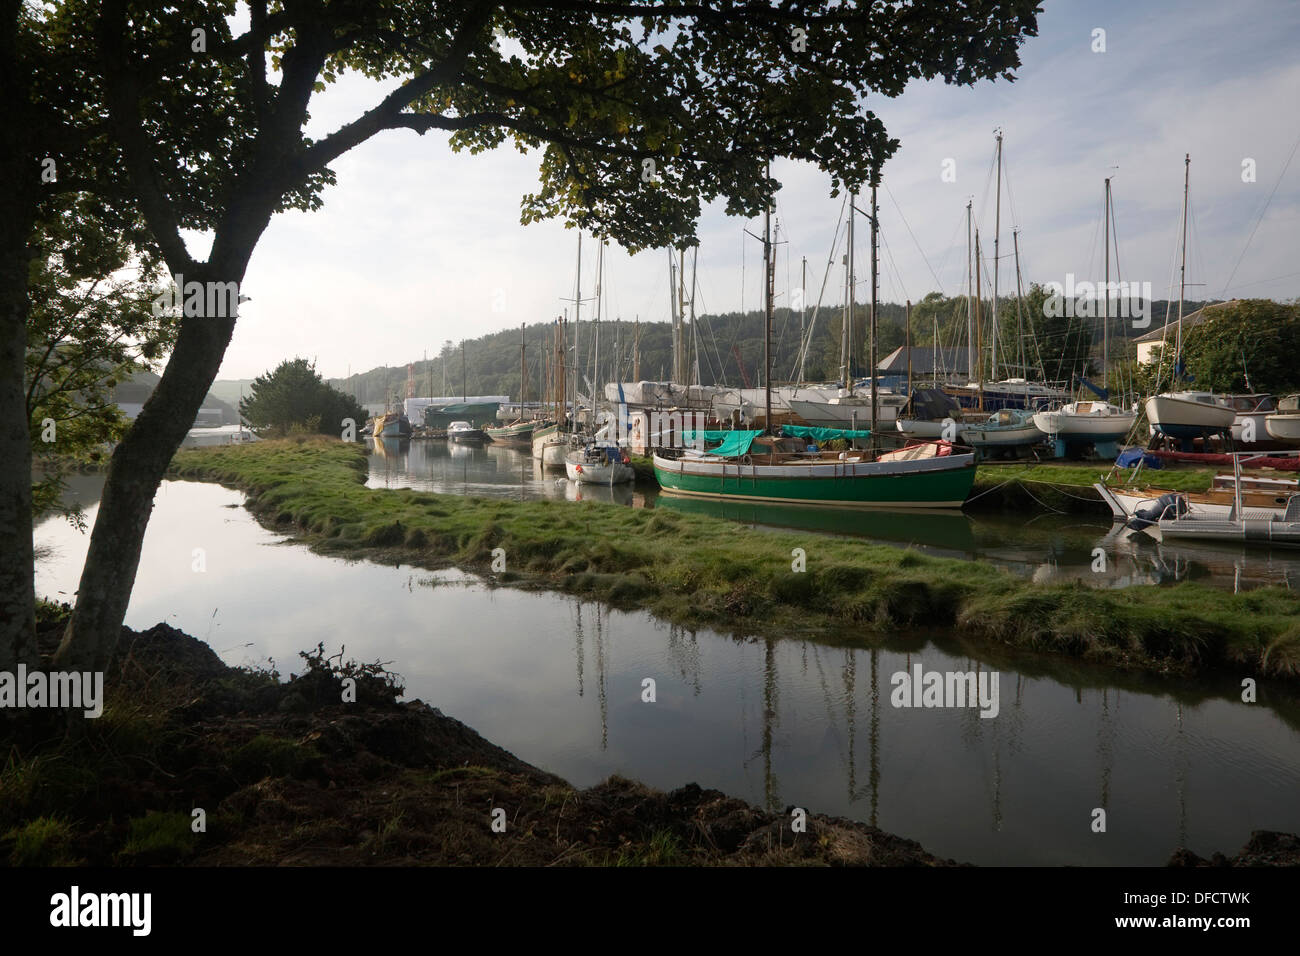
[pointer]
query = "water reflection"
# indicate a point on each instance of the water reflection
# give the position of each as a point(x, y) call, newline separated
point(775, 721)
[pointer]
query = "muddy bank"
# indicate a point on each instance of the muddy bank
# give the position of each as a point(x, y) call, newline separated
point(290, 773)
point(1265, 848)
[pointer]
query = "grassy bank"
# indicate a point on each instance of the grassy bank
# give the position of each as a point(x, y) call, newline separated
point(702, 571)
point(1065, 486)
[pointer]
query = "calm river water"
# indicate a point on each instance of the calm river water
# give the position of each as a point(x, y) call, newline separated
point(778, 722)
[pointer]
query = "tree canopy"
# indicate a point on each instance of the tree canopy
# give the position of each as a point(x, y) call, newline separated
point(293, 398)
point(1246, 345)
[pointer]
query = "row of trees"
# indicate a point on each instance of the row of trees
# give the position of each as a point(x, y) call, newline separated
point(1032, 343)
point(162, 122)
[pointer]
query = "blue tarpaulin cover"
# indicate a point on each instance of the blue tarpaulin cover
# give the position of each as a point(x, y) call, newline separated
point(1130, 458)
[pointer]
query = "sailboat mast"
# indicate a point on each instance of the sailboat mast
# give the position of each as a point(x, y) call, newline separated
point(577, 327)
point(1182, 269)
point(595, 359)
point(768, 274)
point(695, 340)
point(872, 347)
point(523, 367)
point(979, 336)
point(970, 296)
point(846, 344)
point(1015, 245)
point(907, 336)
point(1105, 322)
point(803, 314)
point(683, 375)
point(997, 234)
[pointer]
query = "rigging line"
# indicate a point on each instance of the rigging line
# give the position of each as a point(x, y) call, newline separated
point(988, 181)
point(1011, 199)
point(952, 244)
point(1247, 285)
point(830, 261)
point(908, 227)
point(1260, 218)
point(880, 234)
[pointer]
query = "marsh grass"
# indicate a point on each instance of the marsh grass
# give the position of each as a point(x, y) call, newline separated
point(702, 571)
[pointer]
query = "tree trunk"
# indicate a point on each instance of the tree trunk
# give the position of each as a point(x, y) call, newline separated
point(20, 175)
point(137, 467)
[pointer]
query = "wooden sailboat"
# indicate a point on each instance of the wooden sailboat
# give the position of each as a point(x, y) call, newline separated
point(519, 431)
point(759, 466)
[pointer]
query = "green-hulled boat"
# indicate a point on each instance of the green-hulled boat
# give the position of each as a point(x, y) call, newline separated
point(517, 432)
point(924, 475)
point(751, 466)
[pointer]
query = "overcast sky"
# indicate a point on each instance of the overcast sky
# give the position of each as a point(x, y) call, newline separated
point(416, 244)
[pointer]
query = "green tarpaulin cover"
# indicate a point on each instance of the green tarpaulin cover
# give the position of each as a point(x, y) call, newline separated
point(824, 434)
point(735, 442)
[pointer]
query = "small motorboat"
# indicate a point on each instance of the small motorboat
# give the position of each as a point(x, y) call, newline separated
point(465, 433)
point(1284, 424)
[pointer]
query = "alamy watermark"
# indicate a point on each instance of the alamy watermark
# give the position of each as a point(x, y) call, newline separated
point(212, 300)
point(923, 688)
point(61, 689)
point(663, 429)
point(1088, 300)
point(75, 909)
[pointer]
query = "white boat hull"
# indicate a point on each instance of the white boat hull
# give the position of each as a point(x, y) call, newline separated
point(846, 415)
point(1106, 426)
point(550, 448)
point(920, 428)
point(978, 436)
point(1258, 429)
point(599, 473)
point(1284, 427)
point(1173, 415)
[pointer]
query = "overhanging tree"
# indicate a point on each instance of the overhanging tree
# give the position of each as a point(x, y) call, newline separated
point(642, 113)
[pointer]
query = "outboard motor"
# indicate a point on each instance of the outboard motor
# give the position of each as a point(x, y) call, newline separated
point(1172, 505)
